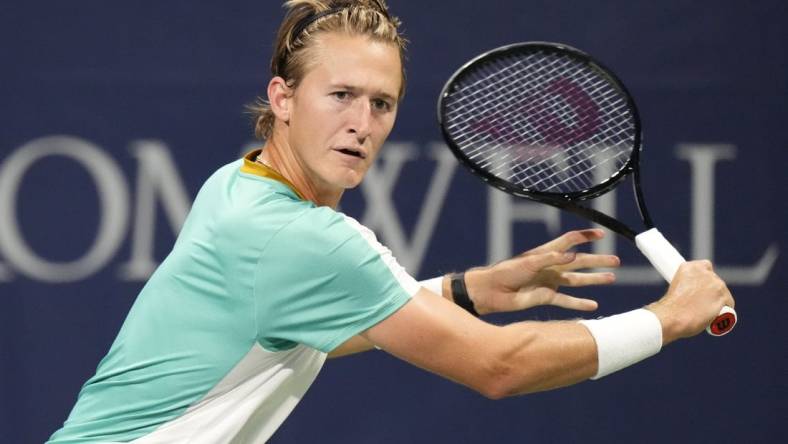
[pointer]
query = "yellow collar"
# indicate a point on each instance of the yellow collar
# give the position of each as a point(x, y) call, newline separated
point(250, 166)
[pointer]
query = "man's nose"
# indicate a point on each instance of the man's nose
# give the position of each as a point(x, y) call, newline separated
point(360, 119)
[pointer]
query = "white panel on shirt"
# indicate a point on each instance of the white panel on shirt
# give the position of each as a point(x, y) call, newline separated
point(248, 404)
point(407, 281)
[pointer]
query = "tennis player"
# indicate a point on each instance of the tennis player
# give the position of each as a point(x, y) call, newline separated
point(266, 279)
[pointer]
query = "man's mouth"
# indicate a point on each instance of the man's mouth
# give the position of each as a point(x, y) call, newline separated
point(352, 152)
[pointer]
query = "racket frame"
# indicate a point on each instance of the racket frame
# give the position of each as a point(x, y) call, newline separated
point(652, 244)
point(564, 201)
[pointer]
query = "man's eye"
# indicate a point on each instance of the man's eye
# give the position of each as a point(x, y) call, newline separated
point(341, 95)
point(381, 105)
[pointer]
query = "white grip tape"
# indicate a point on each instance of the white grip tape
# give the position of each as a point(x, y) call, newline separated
point(624, 339)
point(662, 255)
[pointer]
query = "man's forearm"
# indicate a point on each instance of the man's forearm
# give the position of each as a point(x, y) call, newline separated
point(537, 356)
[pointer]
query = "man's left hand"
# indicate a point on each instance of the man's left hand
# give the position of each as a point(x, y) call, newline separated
point(533, 277)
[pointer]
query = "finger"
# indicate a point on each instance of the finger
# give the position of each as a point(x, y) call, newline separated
point(728, 296)
point(705, 264)
point(569, 240)
point(573, 303)
point(586, 260)
point(583, 279)
point(537, 262)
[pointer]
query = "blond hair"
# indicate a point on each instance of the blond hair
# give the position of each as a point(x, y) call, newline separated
point(304, 20)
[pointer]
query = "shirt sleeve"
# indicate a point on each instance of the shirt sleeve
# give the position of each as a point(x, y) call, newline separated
point(323, 279)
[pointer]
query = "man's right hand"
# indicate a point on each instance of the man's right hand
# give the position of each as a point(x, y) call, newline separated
point(695, 297)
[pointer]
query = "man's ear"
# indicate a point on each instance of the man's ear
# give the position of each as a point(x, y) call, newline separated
point(279, 95)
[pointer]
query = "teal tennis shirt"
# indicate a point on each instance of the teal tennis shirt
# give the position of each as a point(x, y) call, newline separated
point(234, 325)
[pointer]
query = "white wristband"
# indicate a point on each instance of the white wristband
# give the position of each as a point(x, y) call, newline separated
point(434, 285)
point(624, 339)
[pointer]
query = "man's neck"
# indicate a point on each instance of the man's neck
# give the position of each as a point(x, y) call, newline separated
point(277, 154)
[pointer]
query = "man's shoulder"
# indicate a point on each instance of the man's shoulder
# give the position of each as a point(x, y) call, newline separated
point(327, 237)
point(324, 223)
point(233, 196)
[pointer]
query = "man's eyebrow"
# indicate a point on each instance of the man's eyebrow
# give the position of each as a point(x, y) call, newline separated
point(356, 89)
point(386, 96)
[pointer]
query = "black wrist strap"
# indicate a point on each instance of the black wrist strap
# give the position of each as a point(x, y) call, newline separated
point(459, 293)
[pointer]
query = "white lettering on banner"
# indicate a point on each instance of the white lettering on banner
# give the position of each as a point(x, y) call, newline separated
point(156, 175)
point(5, 273)
point(158, 182)
point(381, 215)
point(113, 202)
point(702, 158)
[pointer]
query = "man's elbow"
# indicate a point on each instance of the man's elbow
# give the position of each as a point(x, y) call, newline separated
point(495, 392)
point(510, 370)
point(500, 381)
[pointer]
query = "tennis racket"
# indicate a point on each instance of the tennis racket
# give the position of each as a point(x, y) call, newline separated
point(546, 122)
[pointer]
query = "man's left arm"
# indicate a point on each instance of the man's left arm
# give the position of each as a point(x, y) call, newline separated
point(522, 282)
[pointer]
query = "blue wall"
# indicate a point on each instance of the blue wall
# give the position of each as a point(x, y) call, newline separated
point(146, 85)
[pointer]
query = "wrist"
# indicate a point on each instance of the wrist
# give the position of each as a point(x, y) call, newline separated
point(459, 293)
point(624, 339)
point(446, 286)
point(475, 283)
point(671, 325)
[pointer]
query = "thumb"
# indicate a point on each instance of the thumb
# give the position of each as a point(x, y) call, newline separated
point(541, 261)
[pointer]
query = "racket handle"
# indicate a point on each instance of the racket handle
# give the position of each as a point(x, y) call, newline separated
point(662, 255)
point(666, 259)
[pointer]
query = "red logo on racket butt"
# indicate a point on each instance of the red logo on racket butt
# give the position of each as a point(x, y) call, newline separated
point(722, 324)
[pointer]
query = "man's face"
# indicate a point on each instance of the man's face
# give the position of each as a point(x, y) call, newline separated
point(344, 108)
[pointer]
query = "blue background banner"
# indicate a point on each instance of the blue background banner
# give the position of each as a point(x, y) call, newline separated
point(113, 114)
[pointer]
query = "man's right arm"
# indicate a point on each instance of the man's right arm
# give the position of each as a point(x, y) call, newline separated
point(499, 361)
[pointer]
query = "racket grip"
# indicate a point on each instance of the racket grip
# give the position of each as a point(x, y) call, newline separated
point(662, 255)
point(666, 259)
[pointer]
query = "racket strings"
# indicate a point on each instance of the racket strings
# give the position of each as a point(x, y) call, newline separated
point(528, 77)
point(547, 122)
point(563, 115)
point(526, 169)
point(479, 97)
point(581, 178)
